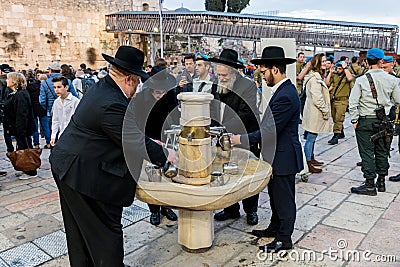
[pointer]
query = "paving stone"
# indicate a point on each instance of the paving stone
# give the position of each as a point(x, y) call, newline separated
point(32, 229)
point(323, 178)
point(141, 204)
point(155, 253)
point(382, 200)
point(4, 212)
point(263, 198)
point(264, 217)
point(355, 175)
point(32, 202)
point(2, 263)
point(25, 255)
point(62, 261)
point(46, 208)
point(393, 212)
point(333, 168)
point(378, 240)
point(134, 213)
point(58, 216)
point(392, 187)
point(308, 188)
point(327, 199)
point(323, 238)
point(54, 244)
point(14, 181)
point(308, 216)
point(20, 196)
point(343, 186)
point(12, 221)
point(20, 188)
point(353, 216)
point(140, 233)
point(5, 243)
point(302, 199)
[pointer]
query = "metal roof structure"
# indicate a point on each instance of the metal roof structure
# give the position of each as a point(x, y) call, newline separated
point(307, 32)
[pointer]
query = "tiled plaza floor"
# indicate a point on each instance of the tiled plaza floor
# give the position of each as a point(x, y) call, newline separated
point(333, 227)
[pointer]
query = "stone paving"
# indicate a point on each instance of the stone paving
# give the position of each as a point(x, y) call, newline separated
point(333, 227)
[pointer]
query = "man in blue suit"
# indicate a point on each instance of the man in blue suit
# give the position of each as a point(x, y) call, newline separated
point(280, 146)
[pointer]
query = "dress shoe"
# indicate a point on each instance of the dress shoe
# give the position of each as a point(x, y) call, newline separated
point(2, 173)
point(276, 246)
point(366, 188)
point(264, 233)
point(169, 214)
point(155, 218)
point(380, 184)
point(252, 218)
point(223, 215)
point(359, 164)
point(312, 169)
point(316, 162)
point(334, 140)
point(395, 178)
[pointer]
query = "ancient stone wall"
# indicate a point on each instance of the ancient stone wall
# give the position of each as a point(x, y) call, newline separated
point(33, 33)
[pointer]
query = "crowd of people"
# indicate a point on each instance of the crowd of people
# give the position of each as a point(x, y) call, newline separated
point(80, 114)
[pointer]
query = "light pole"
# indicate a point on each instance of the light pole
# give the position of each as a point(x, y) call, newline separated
point(161, 28)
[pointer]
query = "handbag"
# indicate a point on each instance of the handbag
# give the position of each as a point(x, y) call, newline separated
point(25, 159)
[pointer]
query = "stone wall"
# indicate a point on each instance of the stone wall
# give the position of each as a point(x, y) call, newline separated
point(33, 33)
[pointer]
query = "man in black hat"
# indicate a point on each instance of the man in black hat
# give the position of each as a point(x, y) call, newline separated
point(89, 167)
point(280, 147)
point(239, 114)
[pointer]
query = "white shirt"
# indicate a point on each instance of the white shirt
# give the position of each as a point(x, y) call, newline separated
point(62, 113)
point(276, 86)
point(206, 87)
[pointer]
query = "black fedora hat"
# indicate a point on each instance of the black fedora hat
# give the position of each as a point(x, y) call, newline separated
point(128, 58)
point(161, 79)
point(228, 57)
point(273, 55)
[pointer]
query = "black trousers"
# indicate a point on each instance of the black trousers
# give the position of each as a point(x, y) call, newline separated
point(93, 229)
point(281, 191)
point(249, 205)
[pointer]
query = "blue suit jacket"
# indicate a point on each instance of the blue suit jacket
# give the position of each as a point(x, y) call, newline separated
point(278, 134)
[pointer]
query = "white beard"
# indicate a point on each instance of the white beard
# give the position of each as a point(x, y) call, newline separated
point(226, 87)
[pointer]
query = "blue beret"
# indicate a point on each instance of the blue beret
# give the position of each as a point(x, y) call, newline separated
point(339, 64)
point(388, 59)
point(200, 56)
point(308, 59)
point(375, 53)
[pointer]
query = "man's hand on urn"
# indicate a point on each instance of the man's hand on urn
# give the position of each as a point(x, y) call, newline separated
point(235, 140)
point(172, 156)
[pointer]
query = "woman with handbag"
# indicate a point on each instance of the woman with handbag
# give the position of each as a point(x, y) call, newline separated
point(317, 109)
point(18, 116)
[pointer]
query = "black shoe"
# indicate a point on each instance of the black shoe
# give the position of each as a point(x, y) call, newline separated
point(264, 233)
point(155, 218)
point(341, 135)
point(223, 216)
point(365, 189)
point(2, 173)
point(334, 140)
point(395, 178)
point(276, 246)
point(169, 214)
point(252, 218)
point(380, 184)
point(359, 164)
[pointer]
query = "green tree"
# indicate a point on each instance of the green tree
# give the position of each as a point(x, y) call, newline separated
point(236, 6)
point(215, 5)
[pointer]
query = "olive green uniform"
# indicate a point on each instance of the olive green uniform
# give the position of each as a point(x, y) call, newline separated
point(299, 83)
point(355, 69)
point(340, 100)
point(362, 107)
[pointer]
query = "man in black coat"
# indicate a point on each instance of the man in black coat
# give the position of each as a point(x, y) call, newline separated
point(89, 167)
point(280, 147)
point(239, 114)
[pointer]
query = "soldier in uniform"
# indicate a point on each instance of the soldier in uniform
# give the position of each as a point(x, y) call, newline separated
point(362, 108)
point(339, 86)
point(397, 66)
point(299, 68)
point(388, 65)
point(355, 68)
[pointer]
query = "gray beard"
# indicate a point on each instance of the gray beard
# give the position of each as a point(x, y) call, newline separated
point(226, 87)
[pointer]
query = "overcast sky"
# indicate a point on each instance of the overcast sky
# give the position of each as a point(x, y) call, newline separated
point(370, 11)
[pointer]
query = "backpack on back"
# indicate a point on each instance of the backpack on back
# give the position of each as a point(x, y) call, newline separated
point(87, 82)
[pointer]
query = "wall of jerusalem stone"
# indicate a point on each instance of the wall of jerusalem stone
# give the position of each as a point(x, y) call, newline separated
point(33, 33)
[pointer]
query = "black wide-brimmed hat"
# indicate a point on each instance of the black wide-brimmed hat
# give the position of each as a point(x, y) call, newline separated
point(161, 79)
point(228, 57)
point(273, 55)
point(128, 58)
